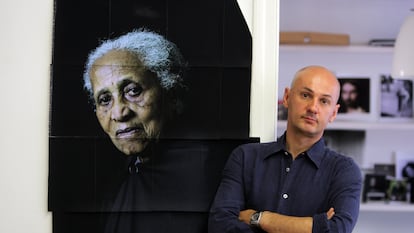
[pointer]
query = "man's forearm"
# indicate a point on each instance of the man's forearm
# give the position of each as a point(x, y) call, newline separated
point(277, 223)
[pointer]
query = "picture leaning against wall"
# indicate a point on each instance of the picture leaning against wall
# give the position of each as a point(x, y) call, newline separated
point(356, 98)
point(396, 98)
point(148, 100)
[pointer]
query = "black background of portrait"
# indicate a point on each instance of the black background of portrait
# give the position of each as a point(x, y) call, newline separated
point(212, 36)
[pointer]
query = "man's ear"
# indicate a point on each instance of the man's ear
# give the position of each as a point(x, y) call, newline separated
point(334, 114)
point(286, 97)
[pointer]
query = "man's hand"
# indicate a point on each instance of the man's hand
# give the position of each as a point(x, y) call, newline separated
point(245, 215)
point(330, 213)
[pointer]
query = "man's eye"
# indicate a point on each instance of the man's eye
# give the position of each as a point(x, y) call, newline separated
point(104, 100)
point(325, 101)
point(305, 95)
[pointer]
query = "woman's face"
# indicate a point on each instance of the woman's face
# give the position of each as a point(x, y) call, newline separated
point(128, 101)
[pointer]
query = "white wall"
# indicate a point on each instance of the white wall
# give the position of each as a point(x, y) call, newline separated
point(262, 18)
point(362, 20)
point(263, 104)
point(25, 50)
point(25, 57)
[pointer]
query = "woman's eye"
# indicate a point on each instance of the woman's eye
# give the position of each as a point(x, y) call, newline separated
point(133, 91)
point(104, 100)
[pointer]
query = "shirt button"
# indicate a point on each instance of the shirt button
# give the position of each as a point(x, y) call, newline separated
point(288, 169)
point(285, 196)
point(286, 153)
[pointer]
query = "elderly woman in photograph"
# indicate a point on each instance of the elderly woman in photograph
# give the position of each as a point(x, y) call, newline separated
point(134, 82)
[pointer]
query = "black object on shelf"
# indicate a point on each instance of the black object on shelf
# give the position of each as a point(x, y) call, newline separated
point(375, 187)
point(382, 42)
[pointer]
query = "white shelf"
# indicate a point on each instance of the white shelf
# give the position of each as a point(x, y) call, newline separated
point(387, 207)
point(330, 48)
point(348, 125)
point(364, 125)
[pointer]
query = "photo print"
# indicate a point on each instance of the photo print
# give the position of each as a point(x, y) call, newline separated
point(355, 98)
point(396, 98)
point(148, 99)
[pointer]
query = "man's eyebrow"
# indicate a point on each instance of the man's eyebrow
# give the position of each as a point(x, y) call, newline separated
point(308, 89)
point(324, 95)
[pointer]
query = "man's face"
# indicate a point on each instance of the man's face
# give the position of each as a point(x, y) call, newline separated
point(127, 98)
point(349, 94)
point(311, 103)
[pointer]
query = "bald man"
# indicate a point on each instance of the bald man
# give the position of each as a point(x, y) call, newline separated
point(295, 184)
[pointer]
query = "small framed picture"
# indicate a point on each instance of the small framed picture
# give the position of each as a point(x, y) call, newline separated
point(401, 160)
point(396, 99)
point(356, 98)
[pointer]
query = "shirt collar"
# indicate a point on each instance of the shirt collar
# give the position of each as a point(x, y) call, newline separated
point(315, 153)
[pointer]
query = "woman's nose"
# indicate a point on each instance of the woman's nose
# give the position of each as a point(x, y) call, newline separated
point(120, 111)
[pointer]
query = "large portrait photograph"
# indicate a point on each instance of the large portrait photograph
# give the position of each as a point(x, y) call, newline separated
point(148, 99)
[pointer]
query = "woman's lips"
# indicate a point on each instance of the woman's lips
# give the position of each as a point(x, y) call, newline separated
point(129, 132)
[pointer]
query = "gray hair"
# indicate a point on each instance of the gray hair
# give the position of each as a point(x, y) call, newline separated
point(158, 55)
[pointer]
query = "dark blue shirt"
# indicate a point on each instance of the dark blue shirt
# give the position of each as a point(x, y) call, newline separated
point(263, 176)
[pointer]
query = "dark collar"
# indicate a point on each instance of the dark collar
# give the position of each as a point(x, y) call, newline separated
point(315, 153)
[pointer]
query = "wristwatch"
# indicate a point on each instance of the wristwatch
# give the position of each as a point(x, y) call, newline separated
point(255, 219)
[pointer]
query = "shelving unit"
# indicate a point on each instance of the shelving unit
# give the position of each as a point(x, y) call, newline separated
point(370, 141)
point(331, 48)
point(380, 138)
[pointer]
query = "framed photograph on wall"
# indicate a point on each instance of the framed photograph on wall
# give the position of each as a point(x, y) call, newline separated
point(356, 98)
point(396, 99)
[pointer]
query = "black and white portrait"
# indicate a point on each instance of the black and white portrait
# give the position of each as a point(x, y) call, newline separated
point(396, 97)
point(148, 98)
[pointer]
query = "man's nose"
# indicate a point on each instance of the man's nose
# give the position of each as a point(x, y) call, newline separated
point(313, 106)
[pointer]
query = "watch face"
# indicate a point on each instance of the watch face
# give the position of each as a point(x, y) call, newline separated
point(255, 218)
